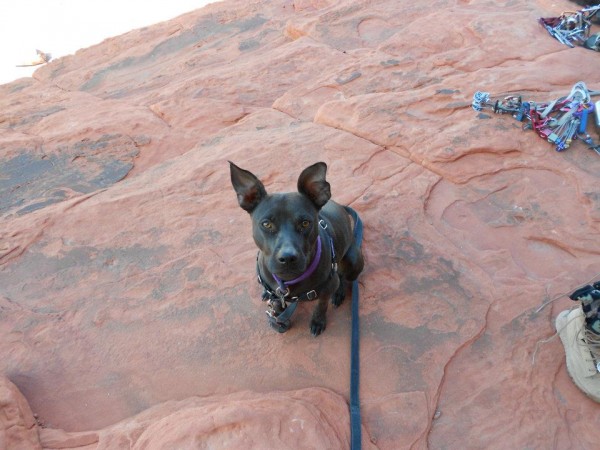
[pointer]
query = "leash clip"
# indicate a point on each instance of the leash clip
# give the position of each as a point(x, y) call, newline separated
point(282, 295)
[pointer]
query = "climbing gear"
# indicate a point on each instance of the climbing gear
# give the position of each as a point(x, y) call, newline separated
point(560, 121)
point(571, 28)
point(579, 332)
point(593, 42)
point(589, 296)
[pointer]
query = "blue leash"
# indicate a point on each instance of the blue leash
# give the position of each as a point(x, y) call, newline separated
point(355, 428)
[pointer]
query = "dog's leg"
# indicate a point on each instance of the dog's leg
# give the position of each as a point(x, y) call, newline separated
point(352, 263)
point(349, 268)
point(318, 320)
point(338, 297)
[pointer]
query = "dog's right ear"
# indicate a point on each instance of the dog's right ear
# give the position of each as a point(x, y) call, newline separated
point(250, 191)
point(312, 183)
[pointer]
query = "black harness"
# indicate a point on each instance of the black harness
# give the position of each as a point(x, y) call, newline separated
point(281, 306)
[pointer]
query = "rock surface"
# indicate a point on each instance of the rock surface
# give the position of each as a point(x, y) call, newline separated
point(18, 428)
point(129, 314)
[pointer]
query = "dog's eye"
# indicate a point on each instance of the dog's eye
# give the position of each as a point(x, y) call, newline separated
point(267, 225)
point(305, 224)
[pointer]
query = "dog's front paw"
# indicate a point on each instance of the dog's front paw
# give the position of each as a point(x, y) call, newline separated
point(317, 326)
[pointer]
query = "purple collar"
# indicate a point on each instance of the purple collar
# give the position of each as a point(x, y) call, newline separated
point(313, 265)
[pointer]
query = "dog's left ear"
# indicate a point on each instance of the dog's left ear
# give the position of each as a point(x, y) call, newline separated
point(312, 183)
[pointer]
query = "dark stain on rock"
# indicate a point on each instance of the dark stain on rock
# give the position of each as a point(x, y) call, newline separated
point(35, 117)
point(447, 91)
point(31, 181)
point(248, 44)
point(344, 80)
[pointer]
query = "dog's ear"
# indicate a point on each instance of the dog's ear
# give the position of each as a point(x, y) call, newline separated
point(312, 183)
point(250, 191)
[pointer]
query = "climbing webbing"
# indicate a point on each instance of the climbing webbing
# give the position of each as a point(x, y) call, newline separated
point(559, 121)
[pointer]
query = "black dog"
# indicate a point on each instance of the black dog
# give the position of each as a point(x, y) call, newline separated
point(305, 241)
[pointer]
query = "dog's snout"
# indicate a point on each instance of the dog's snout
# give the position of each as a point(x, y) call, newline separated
point(287, 256)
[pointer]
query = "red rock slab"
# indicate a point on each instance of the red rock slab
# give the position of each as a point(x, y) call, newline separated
point(308, 418)
point(18, 428)
point(140, 295)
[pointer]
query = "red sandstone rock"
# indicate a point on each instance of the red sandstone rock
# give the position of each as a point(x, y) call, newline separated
point(129, 314)
point(18, 429)
point(307, 418)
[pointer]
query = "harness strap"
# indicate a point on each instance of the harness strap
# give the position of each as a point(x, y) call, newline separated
point(305, 297)
point(282, 321)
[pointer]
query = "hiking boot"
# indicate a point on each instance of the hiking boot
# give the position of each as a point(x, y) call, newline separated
point(582, 349)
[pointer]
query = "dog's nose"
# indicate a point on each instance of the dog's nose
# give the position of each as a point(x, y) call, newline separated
point(287, 256)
